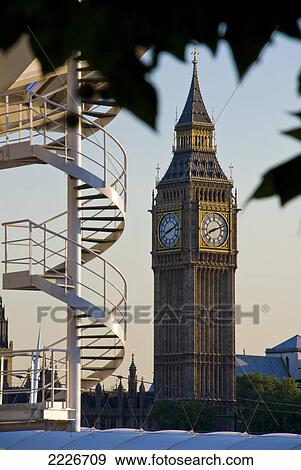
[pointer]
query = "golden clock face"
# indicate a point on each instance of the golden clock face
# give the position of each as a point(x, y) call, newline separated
point(214, 230)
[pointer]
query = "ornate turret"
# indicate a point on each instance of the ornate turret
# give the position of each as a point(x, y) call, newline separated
point(142, 387)
point(132, 379)
point(3, 327)
point(120, 389)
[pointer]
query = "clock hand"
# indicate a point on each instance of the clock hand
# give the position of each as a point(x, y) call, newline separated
point(216, 228)
point(170, 229)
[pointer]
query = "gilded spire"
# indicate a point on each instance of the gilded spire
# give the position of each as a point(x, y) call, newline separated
point(195, 54)
point(194, 111)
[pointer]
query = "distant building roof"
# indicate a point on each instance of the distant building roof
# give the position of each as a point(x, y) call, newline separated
point(292, 344)
point(275, 366)
point(126, 439)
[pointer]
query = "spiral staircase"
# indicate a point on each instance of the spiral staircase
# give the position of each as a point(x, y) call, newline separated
point(34, 128)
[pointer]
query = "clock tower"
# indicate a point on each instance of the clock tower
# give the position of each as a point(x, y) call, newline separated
point(194, 251)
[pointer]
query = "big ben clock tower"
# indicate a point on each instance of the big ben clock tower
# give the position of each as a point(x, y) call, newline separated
point(194, 251)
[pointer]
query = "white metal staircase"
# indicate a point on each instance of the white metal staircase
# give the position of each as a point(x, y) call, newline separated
point(34, 130)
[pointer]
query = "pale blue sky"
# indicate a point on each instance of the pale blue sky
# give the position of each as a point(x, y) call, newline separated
point(248, 135)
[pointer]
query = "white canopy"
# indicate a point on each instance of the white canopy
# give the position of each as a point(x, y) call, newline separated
point(122, 439)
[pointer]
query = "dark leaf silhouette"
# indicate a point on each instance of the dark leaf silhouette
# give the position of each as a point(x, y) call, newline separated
point(283, 181)
point(109, 37)
point(296, 133)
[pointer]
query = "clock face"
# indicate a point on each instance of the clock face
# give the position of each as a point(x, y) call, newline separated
point(214, 229)
point(169, 230)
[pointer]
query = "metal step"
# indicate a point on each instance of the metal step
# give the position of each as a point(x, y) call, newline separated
point(92, 208)
point(101, 347)
point(86, 67)
point(111, 336)
point(99, 102)
point(85, 125)
point(100, 358)
point(108, 219)
point(98, 337)
point(96, 240)
point(67, 286)
point(83, 186)
point(92, 80)
point(106, 230)
point(97, 369)
point(92, 196)
point(54, 275)
point(96, 325)
point(98, 114)
point(85, 315)
point(57, 147)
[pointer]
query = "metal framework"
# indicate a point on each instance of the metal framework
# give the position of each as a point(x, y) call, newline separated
point(53, 255)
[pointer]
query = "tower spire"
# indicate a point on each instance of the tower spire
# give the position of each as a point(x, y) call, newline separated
point(195, 54)
point(194, 112)
point(194, 149)
point(132, 378)
point(3, 327)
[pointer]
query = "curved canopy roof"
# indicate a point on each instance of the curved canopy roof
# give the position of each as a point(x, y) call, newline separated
point(123, 439)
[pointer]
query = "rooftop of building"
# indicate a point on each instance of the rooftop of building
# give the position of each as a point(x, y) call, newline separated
point(249, 364)
point(292, 344)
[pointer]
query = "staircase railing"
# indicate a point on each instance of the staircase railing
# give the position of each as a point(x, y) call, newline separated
point(38, 364)
point(34, 246)
point(29, 119)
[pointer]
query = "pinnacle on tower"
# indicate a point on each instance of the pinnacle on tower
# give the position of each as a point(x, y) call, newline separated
point(194, 111)
point(142, 386)
point(132, 368)
point(132, 378)
point(3, 327)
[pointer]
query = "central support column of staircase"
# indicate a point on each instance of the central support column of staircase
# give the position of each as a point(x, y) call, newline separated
point(73, 249)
